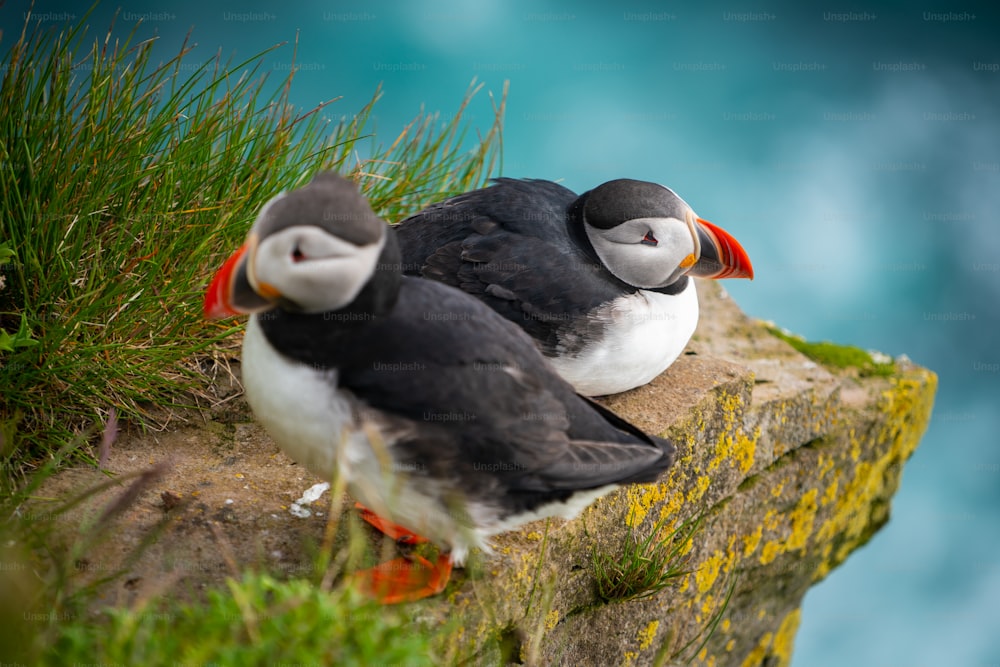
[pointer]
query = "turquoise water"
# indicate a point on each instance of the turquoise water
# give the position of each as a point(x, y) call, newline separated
point(855, 152)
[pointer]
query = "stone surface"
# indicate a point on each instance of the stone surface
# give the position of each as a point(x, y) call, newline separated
point(789, 466)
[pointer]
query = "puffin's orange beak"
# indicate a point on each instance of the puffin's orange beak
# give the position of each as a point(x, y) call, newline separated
point(230, 292)
point(722, 256)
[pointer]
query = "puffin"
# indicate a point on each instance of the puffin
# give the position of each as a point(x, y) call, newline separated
point(443, 418)
point(601, 281)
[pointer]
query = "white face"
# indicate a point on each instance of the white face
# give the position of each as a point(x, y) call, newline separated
point(311, 267)
point(647, 252)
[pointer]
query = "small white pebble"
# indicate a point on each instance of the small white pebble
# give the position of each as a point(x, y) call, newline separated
point(314, 492)
point(879, 357)
point(310, 495)
point(229, 501)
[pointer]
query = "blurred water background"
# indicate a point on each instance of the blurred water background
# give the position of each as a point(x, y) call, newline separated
point(853, 149)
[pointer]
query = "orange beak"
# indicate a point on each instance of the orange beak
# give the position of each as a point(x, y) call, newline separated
point(230, 293)
point(722, 256)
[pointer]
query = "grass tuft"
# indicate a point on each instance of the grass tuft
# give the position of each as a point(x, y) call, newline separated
point(644, 567)
point(125, 181)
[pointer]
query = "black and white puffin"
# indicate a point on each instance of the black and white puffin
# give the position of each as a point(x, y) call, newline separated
point(442, 416)
point(601, 281)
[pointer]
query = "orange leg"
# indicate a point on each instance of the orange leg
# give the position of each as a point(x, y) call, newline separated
point(405, 579)
point(393, 530)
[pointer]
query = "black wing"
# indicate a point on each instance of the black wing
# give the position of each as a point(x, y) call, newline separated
point(525, 206)
point(508, 245)
point(486, 401)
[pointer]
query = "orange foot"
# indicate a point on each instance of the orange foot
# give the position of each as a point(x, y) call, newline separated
point(393, 530)
point(405, 579)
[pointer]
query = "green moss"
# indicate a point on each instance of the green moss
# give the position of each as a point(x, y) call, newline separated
point(832, 355)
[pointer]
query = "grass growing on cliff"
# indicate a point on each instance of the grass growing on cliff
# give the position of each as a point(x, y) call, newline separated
point(254, 621)
point(837, 356)
point(643, 567)
point(52, 582)
point(124, 183)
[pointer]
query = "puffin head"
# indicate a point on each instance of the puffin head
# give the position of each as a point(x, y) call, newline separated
point(311, 250)
point(649, 237)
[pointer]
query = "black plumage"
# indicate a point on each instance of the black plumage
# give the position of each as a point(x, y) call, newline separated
point(465, 393)
point(520, 247)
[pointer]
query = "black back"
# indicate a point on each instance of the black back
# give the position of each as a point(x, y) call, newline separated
point(520, 247)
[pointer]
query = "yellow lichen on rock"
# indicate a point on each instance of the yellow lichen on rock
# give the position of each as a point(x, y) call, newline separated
point(777, 645)
point(784, 639)
point(849, 516)
point(706, 575)
point(824, 566)
point(745, 448)
point(906, 408)
point(855, 445)
point(830, 494)
point(641, 498)
point(756, 656)
point(733, 443)
point(770, 551)
point(699, 488)
point(801, 519)
point(670, 510)
point(751, 541)
point(647, 635)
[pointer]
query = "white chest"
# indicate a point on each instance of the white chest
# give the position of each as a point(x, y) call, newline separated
point(643, 334)
point(297, 405)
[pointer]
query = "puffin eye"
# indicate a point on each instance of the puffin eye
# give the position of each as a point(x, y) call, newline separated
point(649, 239)
point(297, 254)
